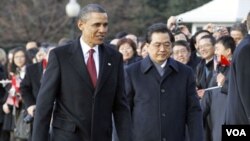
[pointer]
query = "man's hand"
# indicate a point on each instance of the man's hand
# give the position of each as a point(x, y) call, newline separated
point(200, 93)
point(171, 23)
point(6, 108)
point(31, 110)
point(209, 27)
point(220, 79)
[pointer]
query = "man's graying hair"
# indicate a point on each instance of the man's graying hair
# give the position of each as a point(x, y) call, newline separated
point(83, 15)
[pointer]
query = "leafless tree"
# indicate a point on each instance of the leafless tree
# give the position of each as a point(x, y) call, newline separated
point(24, 20)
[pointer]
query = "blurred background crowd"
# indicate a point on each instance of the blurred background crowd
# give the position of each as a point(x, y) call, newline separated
point(29, 29)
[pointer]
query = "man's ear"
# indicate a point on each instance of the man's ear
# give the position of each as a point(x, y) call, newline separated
point(81, 24)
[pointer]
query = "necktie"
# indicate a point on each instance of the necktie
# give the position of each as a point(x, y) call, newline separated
point(91, 67)
point(162, 70)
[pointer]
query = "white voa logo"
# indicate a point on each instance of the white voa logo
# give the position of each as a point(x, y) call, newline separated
point(236, 132)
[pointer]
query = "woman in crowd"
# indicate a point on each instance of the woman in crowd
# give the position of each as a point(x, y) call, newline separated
point(127, 48)
point(13, 105)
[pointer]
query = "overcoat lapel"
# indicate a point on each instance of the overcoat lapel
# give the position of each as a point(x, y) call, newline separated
point(169, 68)
point(77, 62)
point(106, 66)
point(147, 66)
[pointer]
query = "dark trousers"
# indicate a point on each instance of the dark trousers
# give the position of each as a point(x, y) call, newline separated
point(4, 135)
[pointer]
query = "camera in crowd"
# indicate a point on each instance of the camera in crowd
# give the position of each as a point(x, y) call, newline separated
point(217, 29)
point(177, 25)
point(28, 118)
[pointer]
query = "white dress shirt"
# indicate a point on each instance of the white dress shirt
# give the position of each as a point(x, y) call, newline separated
point(85, 48)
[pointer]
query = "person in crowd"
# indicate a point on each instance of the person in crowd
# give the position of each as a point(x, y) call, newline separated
point(41, 54)
point(132, 37)
point(180, 36)
point(205, 68)
point(127, 48)
point(195, 55)
point(85, 80)
point(220, 31)
point(9, 62)
point(238, 106)
point(238, 32)
point(144, 52)
point(31, 45)
point(3, 57)
point(181, 51)
point(4, 135)
point(214, 101)
point(13, 106)
point(114, 42)
point(32, 54)
point(30, 85)
point(209, 27)
point(175, 25)
point(156, 95)
point(121, 34)
point(63, 41)
point(10, 55)
point(140, 42)
point(216, 30)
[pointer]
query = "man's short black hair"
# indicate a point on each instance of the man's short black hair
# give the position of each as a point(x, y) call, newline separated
point(158, 28)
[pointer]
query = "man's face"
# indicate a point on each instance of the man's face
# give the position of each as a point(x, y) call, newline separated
point(198, 37)
point(206, 49)
point(94, 28)
point(237, 36)
point(159, 49)
point(221, 50)
point(181, 54)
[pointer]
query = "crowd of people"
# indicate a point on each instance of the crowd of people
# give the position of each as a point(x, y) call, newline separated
point(169, 84)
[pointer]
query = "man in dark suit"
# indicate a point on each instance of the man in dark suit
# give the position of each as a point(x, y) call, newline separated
point(85, 80)
point(29, 88)
point(205, 69)
point(238, 108)
point(162, 93)
point(30, 85)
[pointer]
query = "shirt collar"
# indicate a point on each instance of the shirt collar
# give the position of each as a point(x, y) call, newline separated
point(85, 47)
point(164, 64)
point(22, 72)
point(147, 63)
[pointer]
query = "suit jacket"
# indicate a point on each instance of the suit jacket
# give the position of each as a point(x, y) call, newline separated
point(203, 81)
point(238, 108)
point(213, 106)
point(30, 85)
point(82, 113)
point(194, 61)
point(161, 107)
